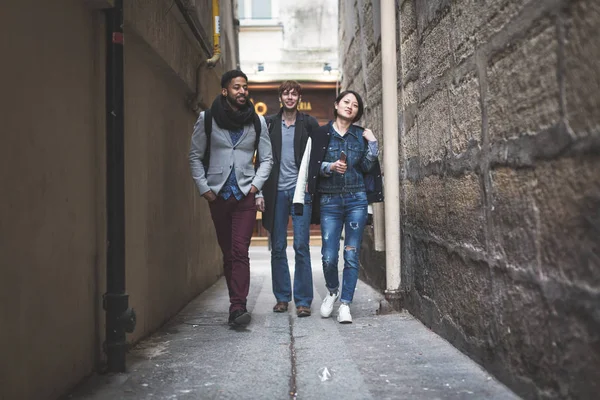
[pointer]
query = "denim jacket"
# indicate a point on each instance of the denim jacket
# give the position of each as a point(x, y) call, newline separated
point(312, 170)
point(360, 159)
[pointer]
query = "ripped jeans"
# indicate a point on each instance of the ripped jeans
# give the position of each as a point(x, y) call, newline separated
point(348, 210)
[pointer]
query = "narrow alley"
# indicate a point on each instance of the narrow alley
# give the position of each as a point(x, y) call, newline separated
point(197, 356)
point(134, 130)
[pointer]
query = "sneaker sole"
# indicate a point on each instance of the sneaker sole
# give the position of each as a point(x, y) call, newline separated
point(344, 322)
point(243, 319)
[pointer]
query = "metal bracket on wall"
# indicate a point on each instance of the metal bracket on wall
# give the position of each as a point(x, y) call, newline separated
point(117, 304)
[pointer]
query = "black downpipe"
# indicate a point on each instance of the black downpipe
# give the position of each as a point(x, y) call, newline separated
point(119, 317)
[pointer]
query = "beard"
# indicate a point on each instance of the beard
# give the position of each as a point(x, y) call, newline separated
point(234, 100)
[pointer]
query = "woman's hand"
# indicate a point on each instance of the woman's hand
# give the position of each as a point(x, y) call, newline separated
point(368, 134)
point(339, 166)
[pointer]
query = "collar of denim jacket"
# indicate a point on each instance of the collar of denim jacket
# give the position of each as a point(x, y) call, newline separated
point(353, 130)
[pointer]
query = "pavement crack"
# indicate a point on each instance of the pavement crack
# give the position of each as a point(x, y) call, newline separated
point(293, 388)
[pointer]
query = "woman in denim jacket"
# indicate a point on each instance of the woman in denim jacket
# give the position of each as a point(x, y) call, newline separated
point(336, 158)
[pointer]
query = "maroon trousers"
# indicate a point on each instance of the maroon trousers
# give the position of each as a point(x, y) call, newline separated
point(234, 222)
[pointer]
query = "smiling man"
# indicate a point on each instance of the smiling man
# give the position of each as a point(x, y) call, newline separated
point(221, 157)
point(289, 131)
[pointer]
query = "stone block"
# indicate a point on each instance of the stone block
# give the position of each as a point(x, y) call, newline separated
point(460, 288)
point(434, 57)
point(582, 57)
point(552, 342)
point(374, 121)
point(426, 205)
point(476, 21)
point(451, 209)
point(374, 71)
point(567, 195)
point(410, 94)
point(523, 96)
point(465, 224)
point(434, 127)
point(465, 113)
point(523, 324)
point(547, 219)
point(515, 217)
point(408, 19)
point(411, 142)
point(429, 12)
point(409, 51)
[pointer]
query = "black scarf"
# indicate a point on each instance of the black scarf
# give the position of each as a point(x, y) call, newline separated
point(230, 119)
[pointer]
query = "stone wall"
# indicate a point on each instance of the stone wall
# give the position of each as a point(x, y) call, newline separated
point(52, 174)
point(499, 151)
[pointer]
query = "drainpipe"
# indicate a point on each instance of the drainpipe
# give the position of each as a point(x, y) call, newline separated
point(390, 157)
point(211, 62)
point(119, 317)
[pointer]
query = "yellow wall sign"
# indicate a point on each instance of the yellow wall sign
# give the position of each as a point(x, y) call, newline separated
point(261, 108)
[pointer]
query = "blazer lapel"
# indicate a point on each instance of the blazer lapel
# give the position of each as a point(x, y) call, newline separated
point(223, 132)
point(246, 130)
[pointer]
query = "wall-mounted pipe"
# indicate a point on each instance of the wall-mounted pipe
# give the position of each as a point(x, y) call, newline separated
point(120, 319)
point(211, 62)
point(198, 103)
point(390, 156)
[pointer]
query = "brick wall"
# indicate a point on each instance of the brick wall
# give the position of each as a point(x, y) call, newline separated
point(499, 138)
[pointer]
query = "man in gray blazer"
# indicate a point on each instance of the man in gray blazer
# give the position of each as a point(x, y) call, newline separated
point(229, 181)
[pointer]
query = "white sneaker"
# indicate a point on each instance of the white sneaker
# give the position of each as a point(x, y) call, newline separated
point(344, 316)
point(327, 305)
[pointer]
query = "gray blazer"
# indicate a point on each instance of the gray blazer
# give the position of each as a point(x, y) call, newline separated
point(224, 157)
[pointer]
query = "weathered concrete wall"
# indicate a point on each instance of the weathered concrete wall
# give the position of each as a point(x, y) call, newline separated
point(500, 140)
point(52, 213)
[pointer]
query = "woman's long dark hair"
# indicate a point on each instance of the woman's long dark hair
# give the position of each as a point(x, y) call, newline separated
point(361, 107)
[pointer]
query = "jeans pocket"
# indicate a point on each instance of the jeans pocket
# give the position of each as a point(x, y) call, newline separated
point(325, 198)
point(360, 195)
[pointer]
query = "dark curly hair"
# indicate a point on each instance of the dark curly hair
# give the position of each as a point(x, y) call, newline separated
point(229, 75)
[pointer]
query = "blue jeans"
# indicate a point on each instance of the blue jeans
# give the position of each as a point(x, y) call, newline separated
point(280, 272)
point(348, 210)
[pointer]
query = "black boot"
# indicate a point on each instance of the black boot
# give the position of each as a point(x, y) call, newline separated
point(239, 318)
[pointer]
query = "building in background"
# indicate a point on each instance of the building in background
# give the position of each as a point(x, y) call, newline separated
point(285, 39)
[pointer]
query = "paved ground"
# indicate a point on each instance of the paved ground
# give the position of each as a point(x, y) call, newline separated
point(279, 356)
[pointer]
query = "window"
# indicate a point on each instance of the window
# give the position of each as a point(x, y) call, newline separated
point(261, 9)
point(257, 9)
point(241, 9)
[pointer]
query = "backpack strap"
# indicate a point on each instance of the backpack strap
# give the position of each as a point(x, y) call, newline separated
point(208, 132)
point(258, 130)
